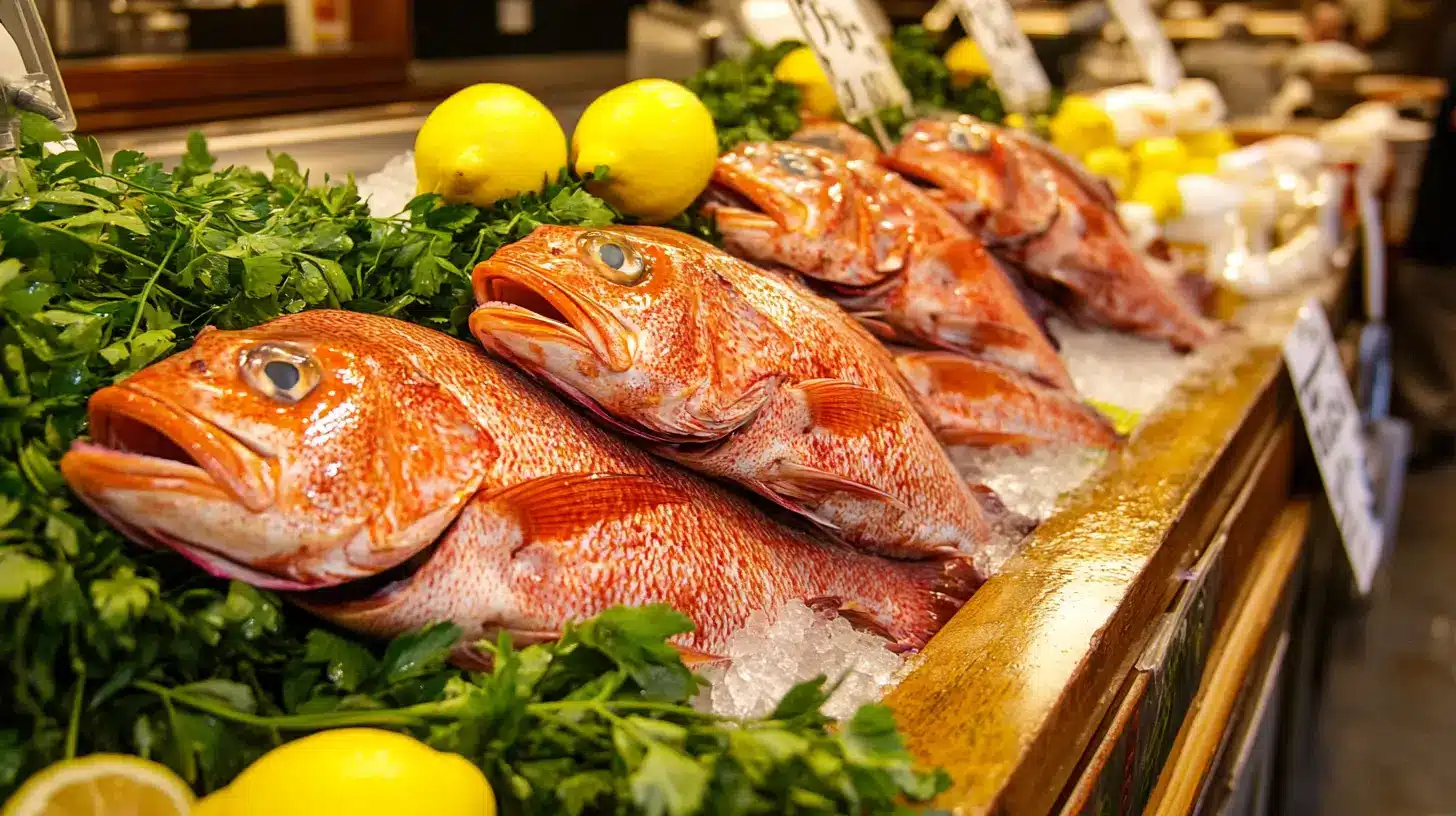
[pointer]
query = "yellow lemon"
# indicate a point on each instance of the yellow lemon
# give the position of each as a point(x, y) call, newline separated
point(486, 143)
point(1080, 126)
point(358, 771)
point(102, 784)
point(1162, 154)
point(1159, 190)
point(658, 143)
point(800, 69)
point(966, 61)
point(1206, 165)
point(1112, 163)
point(1210, 143)
point(1016, 120)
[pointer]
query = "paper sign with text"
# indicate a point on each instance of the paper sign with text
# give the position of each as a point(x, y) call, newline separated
point(858, 66)
point(1333, 425)
point(1150, 43)
point(1019, 76)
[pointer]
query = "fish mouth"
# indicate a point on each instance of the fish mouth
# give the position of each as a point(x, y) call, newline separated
point(516, 299)
point(142, 442)
point(738, 183)
point(147, 437)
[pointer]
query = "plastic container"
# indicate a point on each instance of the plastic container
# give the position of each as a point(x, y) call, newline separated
point(27, 62)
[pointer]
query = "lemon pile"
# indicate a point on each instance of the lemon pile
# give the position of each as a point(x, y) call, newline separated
point(358, 771)
point(491, 142)
point(1145, 170)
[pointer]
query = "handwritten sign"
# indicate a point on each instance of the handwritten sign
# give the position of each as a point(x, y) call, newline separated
point(1333, 425)
point(1019, 76)
point(864, 80)
point(1155, 54)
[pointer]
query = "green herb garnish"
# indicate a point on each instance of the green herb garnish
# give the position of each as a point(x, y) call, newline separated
point(747, 103)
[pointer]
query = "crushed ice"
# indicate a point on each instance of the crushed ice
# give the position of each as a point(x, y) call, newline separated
point(1130, 372)
point(774, 651)
point(1029, 483)
point(392, 187)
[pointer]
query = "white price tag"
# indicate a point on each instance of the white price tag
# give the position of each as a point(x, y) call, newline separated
point(855, 60)
point(1149, 42)
point(1333, 425)
point(1019, 76)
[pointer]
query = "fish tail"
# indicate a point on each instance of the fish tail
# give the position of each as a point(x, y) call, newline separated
point(948, 582)
point(911, 601)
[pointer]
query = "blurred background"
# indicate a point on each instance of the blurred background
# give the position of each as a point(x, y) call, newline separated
point(136, 67)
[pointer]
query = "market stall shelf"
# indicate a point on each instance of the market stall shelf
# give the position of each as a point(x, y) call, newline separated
point(1009, 695)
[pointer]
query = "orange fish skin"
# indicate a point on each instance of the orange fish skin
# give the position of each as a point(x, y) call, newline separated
point(536, 517)
point(1039, 210)
point(939, 287)
point(838, 137)
point(734, 371)
point(976, 403)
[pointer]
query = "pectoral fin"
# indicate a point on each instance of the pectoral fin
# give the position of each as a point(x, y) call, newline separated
point(560, 506)
point(801, 484)
point(845, 408)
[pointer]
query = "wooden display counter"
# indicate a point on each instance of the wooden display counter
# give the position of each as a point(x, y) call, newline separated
point(1067, 678)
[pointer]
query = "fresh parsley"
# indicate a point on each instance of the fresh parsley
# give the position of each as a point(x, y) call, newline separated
point(748, 104)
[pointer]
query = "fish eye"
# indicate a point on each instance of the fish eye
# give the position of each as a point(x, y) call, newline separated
point(280, 371)
point(824, 141)
point(614, 257)
point(798, 164)
point(969, 139)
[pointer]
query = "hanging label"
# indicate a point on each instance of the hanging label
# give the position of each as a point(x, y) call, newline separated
point(1019, 76)
point(858, 67)
point(1149, 42)
point(1333, 425)
point(1372, 233)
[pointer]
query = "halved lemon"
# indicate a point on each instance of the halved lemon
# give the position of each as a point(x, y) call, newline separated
point(102, 785)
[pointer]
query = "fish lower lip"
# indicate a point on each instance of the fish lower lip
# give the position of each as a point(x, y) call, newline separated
point(512, 293)
point(499, 317)
point(151, 437)
point(86, 466)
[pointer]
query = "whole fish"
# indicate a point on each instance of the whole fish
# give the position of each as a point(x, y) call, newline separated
point(1039, 210)
point(973, 402)
point(732, 370)
point(881, 248)
point(423, 481)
